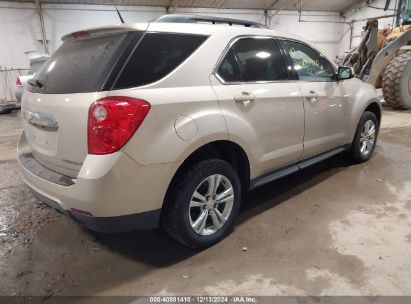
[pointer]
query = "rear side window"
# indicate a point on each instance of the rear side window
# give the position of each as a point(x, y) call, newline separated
point(253, 59)
point(157, 55)
point(81, 65)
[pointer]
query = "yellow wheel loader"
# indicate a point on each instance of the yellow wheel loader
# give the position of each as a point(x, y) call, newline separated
point(383, 57)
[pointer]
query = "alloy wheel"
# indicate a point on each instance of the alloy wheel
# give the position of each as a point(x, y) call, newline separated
point(211, 204)
point(367, 139)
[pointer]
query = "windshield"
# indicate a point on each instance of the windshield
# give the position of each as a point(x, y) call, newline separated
point(404, 12)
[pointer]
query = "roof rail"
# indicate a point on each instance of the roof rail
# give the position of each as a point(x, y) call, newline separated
point(180, 18)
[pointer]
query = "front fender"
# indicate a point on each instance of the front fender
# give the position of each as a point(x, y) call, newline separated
point(362, 95)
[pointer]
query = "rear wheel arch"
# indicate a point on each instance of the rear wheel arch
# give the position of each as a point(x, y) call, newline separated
point(226, 150)
point(193, 215)
point(218, 157)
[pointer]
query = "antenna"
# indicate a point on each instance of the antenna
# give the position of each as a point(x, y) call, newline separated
point(118, 13)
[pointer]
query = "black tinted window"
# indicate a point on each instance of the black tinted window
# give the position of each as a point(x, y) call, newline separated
point(156, 56)
point(80, 65)
point(256, 60)
point(228, 69)
point(308, 63)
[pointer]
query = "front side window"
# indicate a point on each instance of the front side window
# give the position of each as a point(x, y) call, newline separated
point(251, 60)
point(308, 63)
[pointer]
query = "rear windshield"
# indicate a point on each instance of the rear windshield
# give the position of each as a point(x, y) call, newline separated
point(116, 61)
point(156, 56)
point(80, 65)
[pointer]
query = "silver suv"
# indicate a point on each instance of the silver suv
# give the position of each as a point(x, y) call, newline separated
point(168, 123)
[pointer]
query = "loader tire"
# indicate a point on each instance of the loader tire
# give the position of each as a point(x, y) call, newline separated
point(396, 82)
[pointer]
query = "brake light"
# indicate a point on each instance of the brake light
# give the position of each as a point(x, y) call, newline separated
point(112, 121)
point(80, 35)
point(18, 82)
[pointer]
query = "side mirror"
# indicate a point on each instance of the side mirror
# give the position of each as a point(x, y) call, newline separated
point(345, 72)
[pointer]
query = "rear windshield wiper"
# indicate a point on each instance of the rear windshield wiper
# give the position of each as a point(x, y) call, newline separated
point(35, 83)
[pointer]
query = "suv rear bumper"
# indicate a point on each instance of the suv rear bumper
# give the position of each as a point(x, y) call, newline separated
point(138, 221)
point(112, 193)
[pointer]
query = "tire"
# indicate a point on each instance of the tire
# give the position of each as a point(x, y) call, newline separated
point(396, 82)
point(179, 217)
point(356, 153)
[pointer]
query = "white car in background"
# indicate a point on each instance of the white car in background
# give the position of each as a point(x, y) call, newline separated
point(36, 62)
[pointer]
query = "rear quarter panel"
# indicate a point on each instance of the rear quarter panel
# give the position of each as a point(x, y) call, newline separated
point(193, 111)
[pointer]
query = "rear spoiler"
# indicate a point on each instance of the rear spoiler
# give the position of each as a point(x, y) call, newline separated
point(105, 30)
point(185, 18)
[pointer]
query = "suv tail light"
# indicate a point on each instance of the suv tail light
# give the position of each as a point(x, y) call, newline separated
point(18, 82)
point(112, 121)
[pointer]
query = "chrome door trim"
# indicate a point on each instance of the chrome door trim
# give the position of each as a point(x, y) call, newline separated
point(40, 119)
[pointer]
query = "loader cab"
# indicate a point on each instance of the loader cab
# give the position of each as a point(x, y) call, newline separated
point(403, 12)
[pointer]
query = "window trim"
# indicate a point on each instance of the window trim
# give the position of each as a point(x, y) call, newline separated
point(228, 47)
point(122, 60)
point(281, 40)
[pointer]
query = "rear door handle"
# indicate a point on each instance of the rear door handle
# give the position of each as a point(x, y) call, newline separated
point(245, 97)
point(312, 96)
